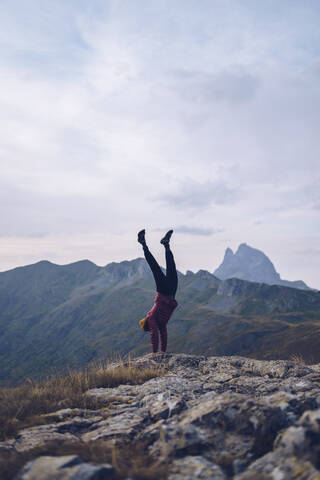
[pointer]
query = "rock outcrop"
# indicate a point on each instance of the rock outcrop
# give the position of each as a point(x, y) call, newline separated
point(204, 418)
point(69, 467)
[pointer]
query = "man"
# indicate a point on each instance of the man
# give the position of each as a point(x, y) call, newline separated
point(157, 318)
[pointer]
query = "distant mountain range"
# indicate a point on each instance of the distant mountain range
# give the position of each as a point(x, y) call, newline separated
point(55, 316)
point(251, 264)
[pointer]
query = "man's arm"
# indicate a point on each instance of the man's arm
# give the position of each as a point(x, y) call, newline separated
point(154, 333)
point(163, 338)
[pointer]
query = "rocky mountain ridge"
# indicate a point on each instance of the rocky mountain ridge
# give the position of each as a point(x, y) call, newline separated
point(204, 418)
point(54, 316)
point(251, 264)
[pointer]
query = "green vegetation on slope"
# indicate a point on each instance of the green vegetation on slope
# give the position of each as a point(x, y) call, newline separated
point(54, 317)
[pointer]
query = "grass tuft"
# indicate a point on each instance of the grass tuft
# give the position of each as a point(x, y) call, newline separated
point(25, 405)
point(297, 358)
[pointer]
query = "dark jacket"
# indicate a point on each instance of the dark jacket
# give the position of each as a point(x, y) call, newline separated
point(158, 318)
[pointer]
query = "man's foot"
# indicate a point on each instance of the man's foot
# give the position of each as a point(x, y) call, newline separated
point(141, 238)
point(166, 239)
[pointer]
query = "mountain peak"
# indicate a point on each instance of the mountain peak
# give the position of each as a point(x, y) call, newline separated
point(247, 263)
point(243, 247)
point(251, 264)
point(228, 253)
point(126, 272)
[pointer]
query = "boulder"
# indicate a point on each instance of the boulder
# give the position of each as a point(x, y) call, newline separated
point(68, 467)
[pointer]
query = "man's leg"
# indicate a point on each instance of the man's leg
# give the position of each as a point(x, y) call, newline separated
point(171, 273)
point(158, 275)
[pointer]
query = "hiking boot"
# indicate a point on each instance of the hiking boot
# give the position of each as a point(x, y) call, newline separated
point(141, 238)
point(166, 239)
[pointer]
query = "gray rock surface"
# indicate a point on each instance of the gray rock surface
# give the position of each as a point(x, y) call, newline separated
point(69, 430)
point(191, 467)
point(206, 417)
point(69, 467)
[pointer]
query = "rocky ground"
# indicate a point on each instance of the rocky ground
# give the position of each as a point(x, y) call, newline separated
point(205, 418)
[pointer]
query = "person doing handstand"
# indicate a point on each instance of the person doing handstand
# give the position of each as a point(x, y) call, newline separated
point(157, 318)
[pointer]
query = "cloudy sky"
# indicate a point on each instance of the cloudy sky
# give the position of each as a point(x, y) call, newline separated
point(202, 116)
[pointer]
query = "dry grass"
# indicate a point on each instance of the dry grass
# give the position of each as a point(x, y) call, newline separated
point(129, 460)
point(298, 358)
point(24, 405)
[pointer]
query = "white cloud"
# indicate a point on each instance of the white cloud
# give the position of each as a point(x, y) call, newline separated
point(107, 107)
point(192, 230)
point(193, 195)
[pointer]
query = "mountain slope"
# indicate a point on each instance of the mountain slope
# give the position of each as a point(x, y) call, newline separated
point(250, 264)
point(55, 316)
